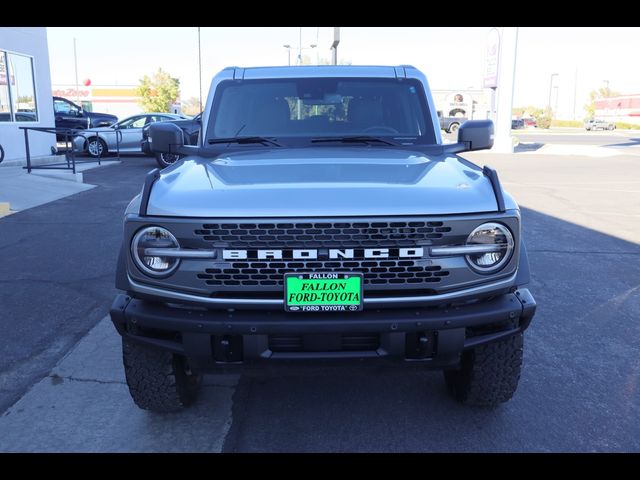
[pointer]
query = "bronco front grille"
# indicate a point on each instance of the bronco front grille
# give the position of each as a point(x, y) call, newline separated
point(323, 234)
point(376, 272)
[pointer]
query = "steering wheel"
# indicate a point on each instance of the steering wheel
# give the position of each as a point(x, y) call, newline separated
point(381, 129)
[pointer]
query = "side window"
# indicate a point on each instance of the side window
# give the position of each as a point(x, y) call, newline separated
point(139, 122)
point(60, 106)
point(159, 118)
point(134, 122)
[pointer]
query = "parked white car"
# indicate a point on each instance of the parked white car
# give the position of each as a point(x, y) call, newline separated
point(98, 142)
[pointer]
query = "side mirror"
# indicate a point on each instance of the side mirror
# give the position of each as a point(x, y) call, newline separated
point(165, 137)
point(476, 134)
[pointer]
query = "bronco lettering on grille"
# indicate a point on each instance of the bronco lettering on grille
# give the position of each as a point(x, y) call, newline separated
point(331, 253)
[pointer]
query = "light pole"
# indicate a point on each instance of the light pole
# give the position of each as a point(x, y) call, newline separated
point(288, 47)
point(75, 62)
point(550, 88)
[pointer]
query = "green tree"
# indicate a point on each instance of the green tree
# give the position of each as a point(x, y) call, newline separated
point(191, 106)
point(158, 92)
point(594, 95)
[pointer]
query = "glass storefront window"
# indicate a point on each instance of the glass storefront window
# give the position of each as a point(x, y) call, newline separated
point(5, 107)
point(17, 88)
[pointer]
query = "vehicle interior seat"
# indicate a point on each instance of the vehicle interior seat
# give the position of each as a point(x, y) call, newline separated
point(365, 113)
point(271, 116)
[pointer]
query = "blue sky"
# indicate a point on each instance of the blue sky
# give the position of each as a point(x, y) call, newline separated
point(451, 57)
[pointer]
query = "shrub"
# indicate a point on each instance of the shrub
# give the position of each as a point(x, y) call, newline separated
point(627, 126)
point(543, 121)
point(567, 123)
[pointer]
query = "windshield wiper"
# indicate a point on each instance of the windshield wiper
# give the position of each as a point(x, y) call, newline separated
point(244, 140)
point(353, 139)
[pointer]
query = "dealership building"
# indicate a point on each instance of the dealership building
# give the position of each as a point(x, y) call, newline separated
point(622, 108)
point(25, 91)
point(119, 100)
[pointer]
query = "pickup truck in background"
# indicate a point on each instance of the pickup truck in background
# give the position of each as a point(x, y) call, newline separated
point(70, 115)
point(450, 124)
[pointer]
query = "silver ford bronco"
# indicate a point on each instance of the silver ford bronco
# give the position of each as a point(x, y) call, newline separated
point(320, 219)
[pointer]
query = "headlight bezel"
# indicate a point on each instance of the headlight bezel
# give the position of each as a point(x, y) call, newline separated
point(139, 263)
point(506, 258)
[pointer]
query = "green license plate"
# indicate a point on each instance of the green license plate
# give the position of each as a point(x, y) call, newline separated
point(323, 292)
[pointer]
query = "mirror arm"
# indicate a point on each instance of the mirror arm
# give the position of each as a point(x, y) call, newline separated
point(186, 150)
point(456, 147)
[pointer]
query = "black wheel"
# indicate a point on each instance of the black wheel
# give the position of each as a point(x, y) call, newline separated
point(1, 154)
point(166, 159)
point(453, 128)
point(611, 127)
point(96, 147)
point(158, 380)
point(488, 374)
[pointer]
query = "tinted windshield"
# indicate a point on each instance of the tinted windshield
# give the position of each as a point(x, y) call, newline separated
point(321, 107)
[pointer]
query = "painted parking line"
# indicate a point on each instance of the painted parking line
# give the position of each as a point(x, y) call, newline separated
point(83, 405)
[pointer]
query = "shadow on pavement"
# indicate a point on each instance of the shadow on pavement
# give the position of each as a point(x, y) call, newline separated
point(580, 389)
point(528, 147)
point(628, 142)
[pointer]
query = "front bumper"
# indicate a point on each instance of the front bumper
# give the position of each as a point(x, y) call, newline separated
point(431, 335)
point(80, 143)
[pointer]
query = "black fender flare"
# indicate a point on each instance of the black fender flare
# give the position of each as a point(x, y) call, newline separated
point(524, 274)
point(122, 280)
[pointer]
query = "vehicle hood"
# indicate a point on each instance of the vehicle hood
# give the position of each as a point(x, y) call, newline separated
point(321, 181)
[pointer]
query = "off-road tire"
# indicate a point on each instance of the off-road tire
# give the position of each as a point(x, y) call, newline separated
point(158, 380)
point(488, 374)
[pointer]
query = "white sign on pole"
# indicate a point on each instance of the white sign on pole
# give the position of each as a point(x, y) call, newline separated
point(492, 56)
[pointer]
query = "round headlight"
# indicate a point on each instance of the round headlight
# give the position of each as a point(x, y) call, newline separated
point(490, 234)
point(142, 250)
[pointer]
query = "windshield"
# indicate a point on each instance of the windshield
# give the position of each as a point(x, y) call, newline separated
point(321, 107)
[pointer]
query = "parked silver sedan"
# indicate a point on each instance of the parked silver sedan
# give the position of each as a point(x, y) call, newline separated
point(125, 135)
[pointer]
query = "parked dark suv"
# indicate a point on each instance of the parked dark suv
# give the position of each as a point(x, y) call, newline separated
point(70, 115)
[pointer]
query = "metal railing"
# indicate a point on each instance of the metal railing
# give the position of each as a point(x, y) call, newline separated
point(69, 135)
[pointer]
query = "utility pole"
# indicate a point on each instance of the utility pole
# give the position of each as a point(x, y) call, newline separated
point(75, 62)
point(200, 70)
point(550, 89)
point(300, 48)
point(334, 45)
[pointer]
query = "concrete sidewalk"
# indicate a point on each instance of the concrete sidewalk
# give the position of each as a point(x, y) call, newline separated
point(21, 190)
point(83, 405)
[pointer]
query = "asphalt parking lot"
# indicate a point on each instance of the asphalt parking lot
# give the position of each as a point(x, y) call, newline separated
point(62, 385)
